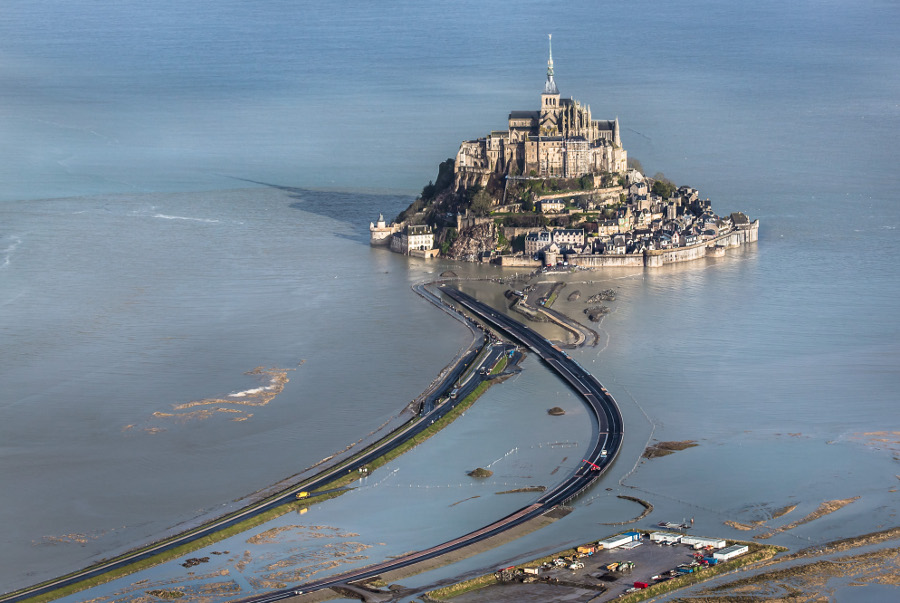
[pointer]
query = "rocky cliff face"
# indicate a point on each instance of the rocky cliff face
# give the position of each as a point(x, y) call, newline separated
point(472, 241)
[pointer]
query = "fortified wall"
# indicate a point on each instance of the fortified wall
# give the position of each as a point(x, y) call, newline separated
point(656, 258)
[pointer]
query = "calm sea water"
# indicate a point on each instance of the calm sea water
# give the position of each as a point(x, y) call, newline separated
point(159, 239)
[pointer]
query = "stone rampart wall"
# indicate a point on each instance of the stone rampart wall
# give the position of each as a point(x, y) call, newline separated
point(601, 260)
point(424, 253)
point(613, 190)
point(661, 257)
point(511, 232)
point(471, 221)
point(519, 261)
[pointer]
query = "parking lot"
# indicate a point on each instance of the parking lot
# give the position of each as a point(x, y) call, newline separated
point(594, 582)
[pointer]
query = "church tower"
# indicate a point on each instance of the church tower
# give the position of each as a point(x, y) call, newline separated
point(550, 111)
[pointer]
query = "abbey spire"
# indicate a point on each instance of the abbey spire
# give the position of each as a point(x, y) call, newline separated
point(550, 86)
point(559, 140)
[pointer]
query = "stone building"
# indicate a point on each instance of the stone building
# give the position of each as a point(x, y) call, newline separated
point(561, 139)
point(537, 241)
point(412, 239)
point(551, 206)
point(563, 238)
point(380, 232)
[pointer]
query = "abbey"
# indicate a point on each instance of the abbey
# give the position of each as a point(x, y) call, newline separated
point(561, 140)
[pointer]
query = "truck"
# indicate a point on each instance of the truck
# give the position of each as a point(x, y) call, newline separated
point(302, 495)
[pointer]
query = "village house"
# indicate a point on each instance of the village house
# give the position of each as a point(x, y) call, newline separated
point(535, 242)
point(413, 238)
point(551, 206)
point(563, 238)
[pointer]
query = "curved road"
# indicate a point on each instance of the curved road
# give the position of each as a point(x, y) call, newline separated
point(431, 412)
point(606, 444)
point(607, 440)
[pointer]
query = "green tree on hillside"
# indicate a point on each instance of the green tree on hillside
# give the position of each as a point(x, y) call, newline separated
point(481, 203)
point(586, 182)
point(662, 186)
point(428, 191)
point(528, 203)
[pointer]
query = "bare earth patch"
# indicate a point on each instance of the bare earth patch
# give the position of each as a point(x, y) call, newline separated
point(303, 566)
point(525, 489)
point(271, 536)
point(245, 560)
point(826, 508)
point(234, 404)
point(648, 508)
point(666, 448)
point(739, 526)
point(781, 512)
point(166, 594)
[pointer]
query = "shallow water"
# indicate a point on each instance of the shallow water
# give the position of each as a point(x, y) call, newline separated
point(115, 313)
point(124, 295)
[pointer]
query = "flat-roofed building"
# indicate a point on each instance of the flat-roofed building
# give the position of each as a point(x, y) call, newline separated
point(731, 552)
point(615, 541)
point(666, 537)
point(716, 543)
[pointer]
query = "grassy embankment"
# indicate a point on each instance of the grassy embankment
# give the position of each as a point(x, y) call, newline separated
point(461, 588)
point(429, 431)
point(554, 293)
point(248, 524)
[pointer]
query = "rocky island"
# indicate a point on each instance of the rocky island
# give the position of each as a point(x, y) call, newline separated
point(557, 188)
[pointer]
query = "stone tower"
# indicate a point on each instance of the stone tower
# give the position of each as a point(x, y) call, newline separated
point(380, 232)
